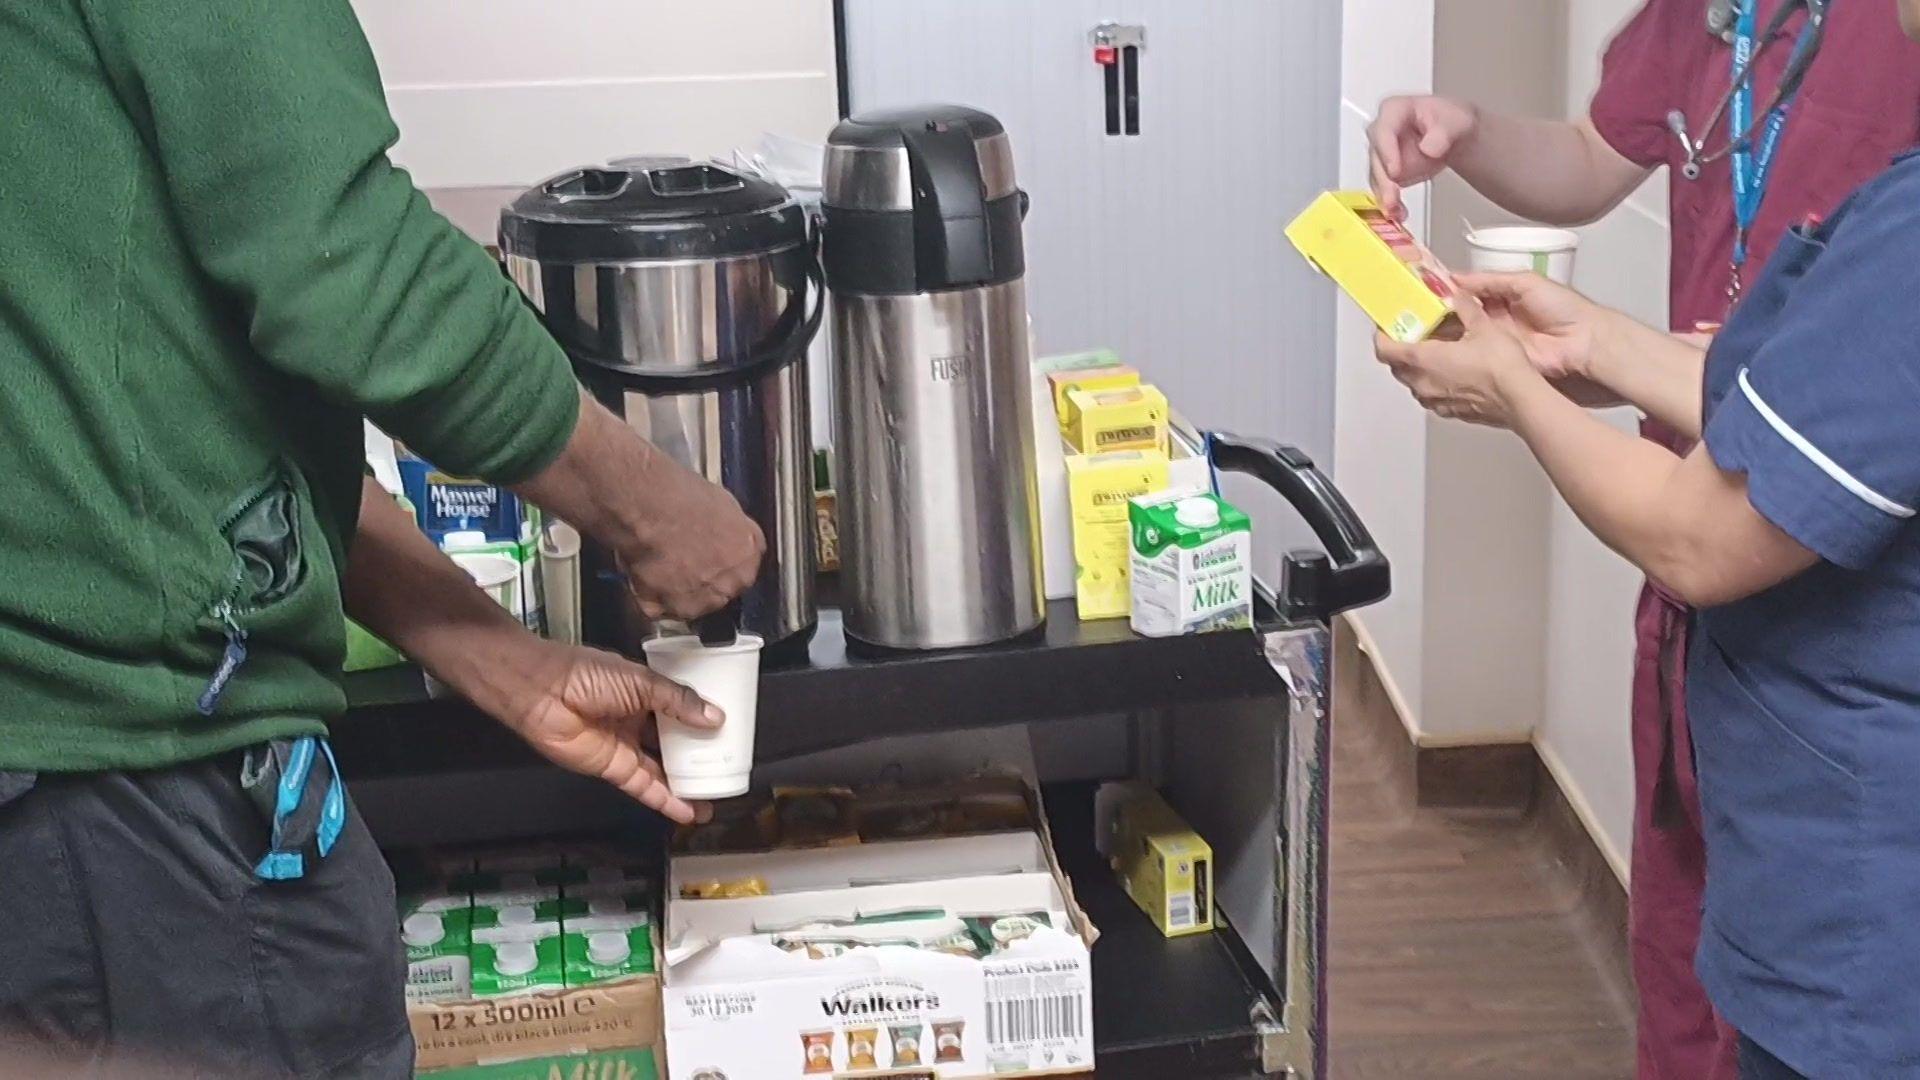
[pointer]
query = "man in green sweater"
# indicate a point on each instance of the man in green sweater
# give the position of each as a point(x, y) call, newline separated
point(210, 273)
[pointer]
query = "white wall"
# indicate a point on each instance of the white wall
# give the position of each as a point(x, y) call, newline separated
point(1508, 618)
point(1583, 733)
point(1483, 677)
point(1379, 433)
point(1130, 243)
point(506, 92)
point(1461, 512)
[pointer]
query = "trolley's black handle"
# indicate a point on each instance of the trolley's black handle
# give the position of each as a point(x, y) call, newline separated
point(1313, 586)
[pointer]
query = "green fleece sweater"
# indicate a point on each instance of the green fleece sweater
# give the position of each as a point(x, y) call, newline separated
point(209, 272)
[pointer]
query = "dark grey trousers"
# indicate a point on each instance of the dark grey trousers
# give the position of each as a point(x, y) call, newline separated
point(135, 939)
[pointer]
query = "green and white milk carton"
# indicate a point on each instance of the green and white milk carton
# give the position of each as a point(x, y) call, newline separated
point(438, 935)
point(598, 879)
point(505, 913)
point(612, 939)
point(1191, 564)
point(517, 959)
point(519, 899)
point(516, 933)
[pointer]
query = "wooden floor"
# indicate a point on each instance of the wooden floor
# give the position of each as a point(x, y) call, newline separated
point(1460, 945)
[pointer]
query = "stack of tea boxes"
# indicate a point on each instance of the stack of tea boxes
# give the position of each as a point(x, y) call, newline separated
point(1151, 540)
point(521, 922)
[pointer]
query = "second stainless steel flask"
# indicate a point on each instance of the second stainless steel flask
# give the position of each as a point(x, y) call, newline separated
point(939, 519)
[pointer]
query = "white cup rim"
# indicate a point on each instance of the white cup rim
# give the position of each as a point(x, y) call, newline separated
point(1523, 239)
point(488, 569)
point(680, 644)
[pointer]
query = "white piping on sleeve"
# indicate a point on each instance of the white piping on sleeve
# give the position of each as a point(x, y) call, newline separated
point(1825, 464)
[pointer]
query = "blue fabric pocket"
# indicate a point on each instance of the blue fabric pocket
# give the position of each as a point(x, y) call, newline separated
point(1784, 851)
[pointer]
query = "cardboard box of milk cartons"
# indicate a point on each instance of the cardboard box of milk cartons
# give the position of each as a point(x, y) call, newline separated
point(1191, 565)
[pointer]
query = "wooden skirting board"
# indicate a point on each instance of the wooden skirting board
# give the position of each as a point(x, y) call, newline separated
point(1502, 778)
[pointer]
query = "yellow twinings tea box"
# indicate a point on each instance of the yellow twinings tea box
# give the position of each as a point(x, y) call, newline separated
point(1130, 418)
point(1098, 487)
point(1164, 865)
point(1377, 262)
point(1102, 378)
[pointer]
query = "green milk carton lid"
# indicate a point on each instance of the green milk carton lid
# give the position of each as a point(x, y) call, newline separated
point(1187, 520)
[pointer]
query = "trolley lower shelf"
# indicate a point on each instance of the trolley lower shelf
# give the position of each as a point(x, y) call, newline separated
point(1190, 1007)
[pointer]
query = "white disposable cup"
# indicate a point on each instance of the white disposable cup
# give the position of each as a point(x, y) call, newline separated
point(498, 576)
point(710, 763)
point(560, 576)
point(1524, 248)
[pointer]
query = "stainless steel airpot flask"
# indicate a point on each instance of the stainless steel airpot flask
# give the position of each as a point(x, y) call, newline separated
point(686, 293)
point(922, 250)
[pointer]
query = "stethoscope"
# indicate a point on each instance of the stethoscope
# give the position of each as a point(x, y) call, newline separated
point(1804, 50)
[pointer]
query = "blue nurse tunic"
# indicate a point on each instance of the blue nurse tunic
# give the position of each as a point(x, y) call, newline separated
point(1806, 698)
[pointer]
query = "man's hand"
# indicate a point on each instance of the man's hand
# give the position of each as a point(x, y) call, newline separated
point(1410, 142)
point(685, 544)
point(594, 713)
point(588, 711)
point(701, 552)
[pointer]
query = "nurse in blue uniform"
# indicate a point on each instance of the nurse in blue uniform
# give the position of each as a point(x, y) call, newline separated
point(1792, 527)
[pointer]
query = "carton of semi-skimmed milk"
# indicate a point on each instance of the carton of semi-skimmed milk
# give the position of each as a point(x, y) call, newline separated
point(1191, 564)
point(437, 937)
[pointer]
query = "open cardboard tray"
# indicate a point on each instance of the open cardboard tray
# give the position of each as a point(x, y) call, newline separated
point(737, 1006)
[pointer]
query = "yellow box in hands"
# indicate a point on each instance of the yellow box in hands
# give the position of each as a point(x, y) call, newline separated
point(1377, 262)
point(1129, 418)
point(1098, 487)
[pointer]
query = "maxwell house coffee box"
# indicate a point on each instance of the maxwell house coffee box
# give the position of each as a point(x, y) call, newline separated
point(445, 503)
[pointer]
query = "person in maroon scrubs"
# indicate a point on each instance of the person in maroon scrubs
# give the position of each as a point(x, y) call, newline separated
point(1850, 102)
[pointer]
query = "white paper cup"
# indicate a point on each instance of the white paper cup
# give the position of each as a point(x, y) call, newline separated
point(498, 576)
point(1522, 249)
point(717, 763)
point(560, 574)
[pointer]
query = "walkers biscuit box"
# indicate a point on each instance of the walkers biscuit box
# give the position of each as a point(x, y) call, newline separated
point(951, 957)
point(1377, 262)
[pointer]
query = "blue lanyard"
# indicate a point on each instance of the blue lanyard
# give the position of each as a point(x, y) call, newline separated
point(1753, 169)
point(282, 862)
